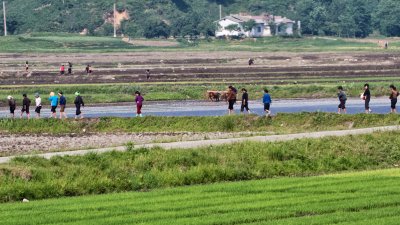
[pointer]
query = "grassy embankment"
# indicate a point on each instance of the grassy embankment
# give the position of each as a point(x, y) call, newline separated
point(69, 43)
point(350, 198)
point(280, 124)
point(113, 93)
point(37, 178)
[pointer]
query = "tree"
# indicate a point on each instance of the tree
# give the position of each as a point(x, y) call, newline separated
point(317, 23)
point(154, 28)
point(387, 19)
point(248, 25)
point(232, 27)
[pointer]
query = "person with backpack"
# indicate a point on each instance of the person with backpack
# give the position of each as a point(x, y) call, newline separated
point(139, 104)
point(231, 98)
point(245, 101)
point(12, 104)
point(26, 102)
point(38, 102)
point(393, 98)
point(78, 104)
point(342, 99)
point(63, 104)
point(53, 103)
point(267, 102)
point(367, 98)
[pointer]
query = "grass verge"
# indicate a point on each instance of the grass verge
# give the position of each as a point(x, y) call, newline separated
point(38, 178)
point(280, 124)
point(351, 198)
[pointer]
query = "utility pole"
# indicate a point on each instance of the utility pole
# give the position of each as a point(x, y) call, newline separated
point(5, 18)
point(115, 20)
point(220, 11)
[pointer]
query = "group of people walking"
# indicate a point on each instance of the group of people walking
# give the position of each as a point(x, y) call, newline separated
point(366, 97)
point(55, 101)
point(232, 99)
point(267, 100)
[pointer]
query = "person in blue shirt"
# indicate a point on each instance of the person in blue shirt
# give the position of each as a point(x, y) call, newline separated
point(267, 102)
point(63, 103)
point(54, 103)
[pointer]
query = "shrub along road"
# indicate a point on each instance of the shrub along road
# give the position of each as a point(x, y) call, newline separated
point(207, 143)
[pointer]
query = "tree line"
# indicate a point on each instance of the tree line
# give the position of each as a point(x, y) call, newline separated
point(192, 18)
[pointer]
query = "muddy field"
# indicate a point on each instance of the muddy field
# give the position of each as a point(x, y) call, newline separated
point(195, 66)
point(11, 144)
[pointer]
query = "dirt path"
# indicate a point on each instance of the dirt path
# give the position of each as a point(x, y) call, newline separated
point(151, 43)
point(17, 144)
point(205, 143)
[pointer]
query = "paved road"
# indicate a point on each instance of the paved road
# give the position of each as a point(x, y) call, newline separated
point(205, 143)
point(204, 108)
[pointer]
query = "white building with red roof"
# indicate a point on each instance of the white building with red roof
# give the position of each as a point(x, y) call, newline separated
point(262, 25)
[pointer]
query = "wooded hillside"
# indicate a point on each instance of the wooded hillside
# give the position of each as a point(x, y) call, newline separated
point(158, 18)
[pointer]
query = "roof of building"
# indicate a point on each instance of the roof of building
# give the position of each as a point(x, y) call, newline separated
point(263, 18)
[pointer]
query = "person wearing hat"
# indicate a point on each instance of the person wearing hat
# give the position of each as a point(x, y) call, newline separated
point(38, 101)
point(78, 103)
point(12, 104)
point(63, 103)
point(54, 103)
point(26, 102)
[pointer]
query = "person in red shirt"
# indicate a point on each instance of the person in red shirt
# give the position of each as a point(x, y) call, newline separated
point(62, 70)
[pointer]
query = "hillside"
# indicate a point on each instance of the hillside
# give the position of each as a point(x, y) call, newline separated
point(156, 18)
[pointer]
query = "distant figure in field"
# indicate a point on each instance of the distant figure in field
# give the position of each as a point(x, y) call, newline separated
point(54, 103)
point(342, 99)
point(251, 61)
point(267, 102)
point(393, 98)
point(62, 70)
point(63, 104)
point(139, 103)
point(386, 45)
point(88, 70)
point(245, 101)
point(231, 98)
point(12, 104)
point(148, 74)
point(38, 102)
point(26, 66)
point(26, 102)
point(367, 98)
point(78, 104)
point(69, 68)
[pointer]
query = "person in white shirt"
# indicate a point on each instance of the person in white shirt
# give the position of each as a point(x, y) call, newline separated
point(38, 101)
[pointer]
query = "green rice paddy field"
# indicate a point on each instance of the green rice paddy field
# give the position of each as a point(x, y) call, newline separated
point(351, 198)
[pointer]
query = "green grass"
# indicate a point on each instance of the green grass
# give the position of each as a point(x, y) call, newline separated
point(64, 43)
point(113, 93)
point(70, 43)
point(276, 44)
point(280, 124)
point(351, 198)
point(142, 170)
